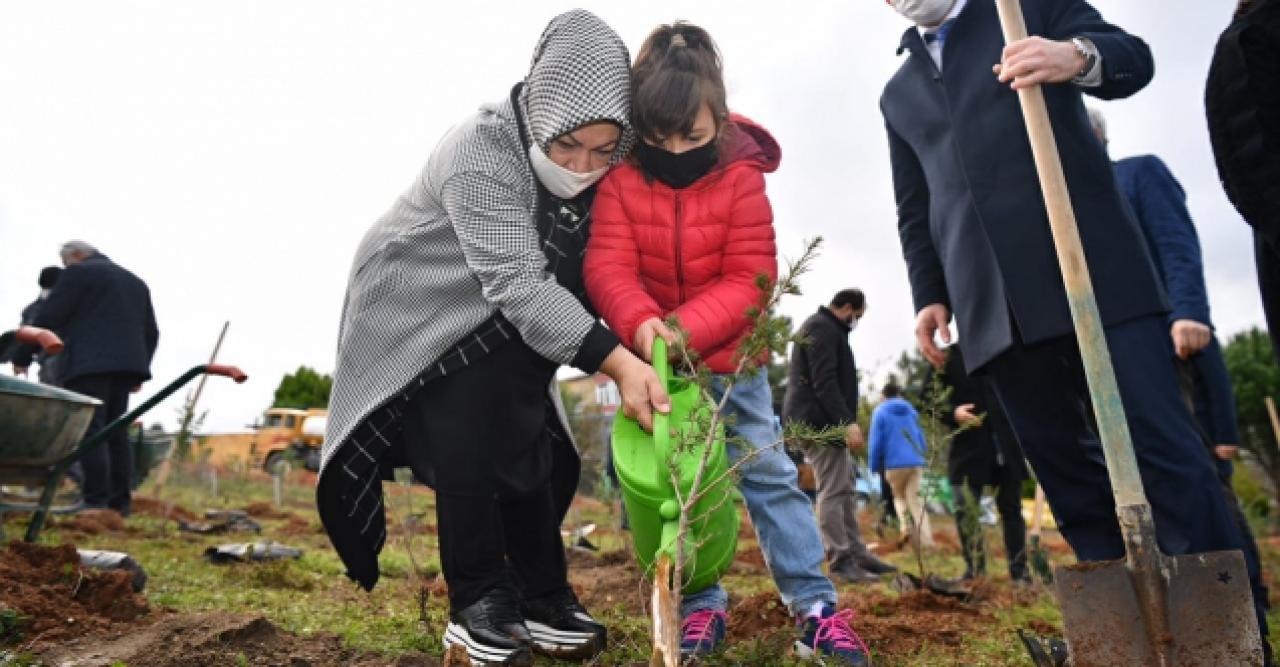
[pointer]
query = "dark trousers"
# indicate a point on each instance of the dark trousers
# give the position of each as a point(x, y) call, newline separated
point(1008, 487)
point(482, 434)
point(1267, 255)
point(107, 469)
point(1044, 393)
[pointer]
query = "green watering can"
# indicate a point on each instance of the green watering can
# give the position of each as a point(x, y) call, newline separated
point(642, 462)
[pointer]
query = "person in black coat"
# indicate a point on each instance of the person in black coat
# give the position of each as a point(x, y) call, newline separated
point(822, 392)
point(976, 239)
point(104, 316)
point(48, 364)
point(984, 454)
point(1242, 101)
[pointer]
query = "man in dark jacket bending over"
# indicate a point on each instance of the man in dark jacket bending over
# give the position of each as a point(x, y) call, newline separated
point(976, 239)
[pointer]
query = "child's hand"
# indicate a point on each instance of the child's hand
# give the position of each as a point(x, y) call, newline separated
point(647, 332)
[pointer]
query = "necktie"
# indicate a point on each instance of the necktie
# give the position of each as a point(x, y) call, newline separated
point(939, 35)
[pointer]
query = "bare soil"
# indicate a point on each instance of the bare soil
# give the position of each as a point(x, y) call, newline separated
point(58, 600)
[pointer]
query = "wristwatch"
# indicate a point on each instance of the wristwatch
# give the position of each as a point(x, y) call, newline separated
point(1085, 47)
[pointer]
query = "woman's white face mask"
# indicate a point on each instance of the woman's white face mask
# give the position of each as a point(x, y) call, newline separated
point(927, 13)
point(559, 181)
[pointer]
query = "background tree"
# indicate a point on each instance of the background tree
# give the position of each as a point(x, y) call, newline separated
point(303, 389)
point(1255, 376)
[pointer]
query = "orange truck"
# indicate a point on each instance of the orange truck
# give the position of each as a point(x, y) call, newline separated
point(284, 434)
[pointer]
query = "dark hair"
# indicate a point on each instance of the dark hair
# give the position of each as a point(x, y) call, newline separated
point(1243, 8)
point(849, 297)
point(49, 276)
point(891, 390)
point(677, 70)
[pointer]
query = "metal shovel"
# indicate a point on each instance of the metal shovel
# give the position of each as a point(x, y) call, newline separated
point(1149, 608)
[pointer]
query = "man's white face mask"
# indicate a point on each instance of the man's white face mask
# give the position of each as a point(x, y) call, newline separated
point(927, 13)
point(559, 181)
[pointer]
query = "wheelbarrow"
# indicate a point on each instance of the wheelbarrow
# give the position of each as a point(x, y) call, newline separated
point(42, 428)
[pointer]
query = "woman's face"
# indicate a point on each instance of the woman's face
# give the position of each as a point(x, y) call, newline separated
point(587, 148)
point(701, 134)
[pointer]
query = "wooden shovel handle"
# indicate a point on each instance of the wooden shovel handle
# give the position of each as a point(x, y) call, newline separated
point(1117, 446)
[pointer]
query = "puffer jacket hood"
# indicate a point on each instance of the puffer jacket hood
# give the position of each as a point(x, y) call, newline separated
point(747, 141)
point(580, 74)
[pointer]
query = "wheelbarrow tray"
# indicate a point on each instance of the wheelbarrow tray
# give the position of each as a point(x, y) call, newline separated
point(40, 426)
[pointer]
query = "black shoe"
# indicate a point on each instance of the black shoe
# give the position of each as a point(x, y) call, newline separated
point(562, 628)
point(852, 574)
point(869, 562)
point(492, 631)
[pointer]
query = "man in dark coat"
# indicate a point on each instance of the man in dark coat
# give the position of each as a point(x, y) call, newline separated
point(986, 453)
point(976, 240)
point(103, 314)
point(1159, 204)
point(1242, 99)
point(822, 392)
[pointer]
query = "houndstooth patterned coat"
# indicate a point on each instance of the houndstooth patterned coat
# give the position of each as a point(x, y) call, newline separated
point(454, 250)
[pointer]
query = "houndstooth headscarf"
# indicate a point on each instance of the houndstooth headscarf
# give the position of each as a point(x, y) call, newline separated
point(581, 73)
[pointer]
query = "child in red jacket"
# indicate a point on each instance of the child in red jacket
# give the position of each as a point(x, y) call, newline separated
point(684, 229)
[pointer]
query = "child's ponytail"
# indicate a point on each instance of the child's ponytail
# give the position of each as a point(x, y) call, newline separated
point(677, 70)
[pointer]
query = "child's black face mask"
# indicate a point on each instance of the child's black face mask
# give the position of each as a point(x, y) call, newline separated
point(678, 170)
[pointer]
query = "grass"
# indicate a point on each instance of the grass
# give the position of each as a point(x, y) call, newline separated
point(311, 595)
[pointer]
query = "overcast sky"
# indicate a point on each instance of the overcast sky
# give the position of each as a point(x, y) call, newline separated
point(232, 153)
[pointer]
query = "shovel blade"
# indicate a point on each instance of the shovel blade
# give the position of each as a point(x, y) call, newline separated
point(1210, 610)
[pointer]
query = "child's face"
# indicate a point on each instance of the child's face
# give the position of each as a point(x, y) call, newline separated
point(701, 134)
point(587, 148)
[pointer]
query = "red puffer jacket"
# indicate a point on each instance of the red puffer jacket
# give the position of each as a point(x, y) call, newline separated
point(696, 253)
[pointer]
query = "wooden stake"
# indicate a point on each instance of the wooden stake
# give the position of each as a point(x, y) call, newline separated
point(666, 617)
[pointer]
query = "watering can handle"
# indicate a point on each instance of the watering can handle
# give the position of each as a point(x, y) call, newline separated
point(47, 340)
point(662, 422)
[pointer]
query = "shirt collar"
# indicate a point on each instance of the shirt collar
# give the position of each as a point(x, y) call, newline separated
point(955, 11)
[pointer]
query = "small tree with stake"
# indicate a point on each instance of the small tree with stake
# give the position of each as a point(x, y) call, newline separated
point(770, 334)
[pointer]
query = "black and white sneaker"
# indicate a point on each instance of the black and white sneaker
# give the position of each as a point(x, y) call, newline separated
point(562, 628)
point(492, 631)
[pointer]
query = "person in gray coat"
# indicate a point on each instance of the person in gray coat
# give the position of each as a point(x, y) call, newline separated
point(462, 302)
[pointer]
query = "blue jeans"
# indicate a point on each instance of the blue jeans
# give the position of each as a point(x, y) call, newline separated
point(780, 511)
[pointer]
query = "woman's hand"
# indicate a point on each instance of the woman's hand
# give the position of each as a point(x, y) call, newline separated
point(649, 330)
point(642, 392)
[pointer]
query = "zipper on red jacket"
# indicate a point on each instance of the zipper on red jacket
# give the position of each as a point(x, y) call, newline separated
point(679, 249)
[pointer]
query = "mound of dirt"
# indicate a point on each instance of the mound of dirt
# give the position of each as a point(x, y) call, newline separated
point(93, 522)
point(890, 624)
point(58, 599)
point(146, 506)
point(757, 616)
point(264, 510)
point(200, 640)
point(297, 525)
point(900, 624)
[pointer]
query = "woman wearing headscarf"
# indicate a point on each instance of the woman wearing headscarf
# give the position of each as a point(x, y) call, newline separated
point(463, 301)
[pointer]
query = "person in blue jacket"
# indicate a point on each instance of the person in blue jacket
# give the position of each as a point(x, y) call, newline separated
point(897, 449)
point(1159, 204)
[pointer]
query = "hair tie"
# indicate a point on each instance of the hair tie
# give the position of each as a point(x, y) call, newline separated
point(677, 41)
